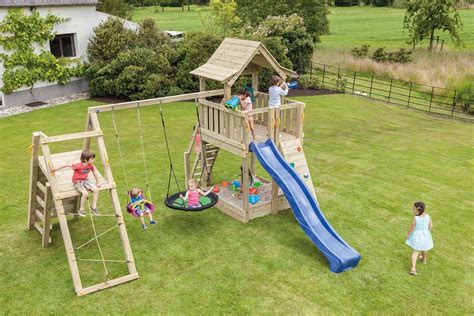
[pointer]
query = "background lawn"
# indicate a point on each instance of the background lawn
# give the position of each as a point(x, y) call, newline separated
point(369, 162)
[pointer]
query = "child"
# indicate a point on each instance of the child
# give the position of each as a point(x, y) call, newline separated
point(193, 194)
point(140, 208)
point(276, 90)
point(246, 105)
point(80, 179)
point(419, 236)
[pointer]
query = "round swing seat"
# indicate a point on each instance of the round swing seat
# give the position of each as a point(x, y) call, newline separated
point(147, 204)
point(175, 202)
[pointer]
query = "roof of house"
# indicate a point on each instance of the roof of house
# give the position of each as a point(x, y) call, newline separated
point(37, 3)
point(234, 56)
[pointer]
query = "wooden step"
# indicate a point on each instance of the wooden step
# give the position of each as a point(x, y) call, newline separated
point(40, 201)
point(41, 187)
point(39, 228)
point(39, 215)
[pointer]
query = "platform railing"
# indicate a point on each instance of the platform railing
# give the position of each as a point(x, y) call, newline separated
point(230, 129)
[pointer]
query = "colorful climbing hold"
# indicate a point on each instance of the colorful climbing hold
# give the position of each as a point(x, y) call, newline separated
point(306, 176)
point(292, 164)
point(215, 189)
point(299, 148)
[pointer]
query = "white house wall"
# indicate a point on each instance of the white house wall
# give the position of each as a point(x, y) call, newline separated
point(81, 22)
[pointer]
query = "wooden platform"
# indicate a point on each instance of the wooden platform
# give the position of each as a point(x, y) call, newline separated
point(64, 176)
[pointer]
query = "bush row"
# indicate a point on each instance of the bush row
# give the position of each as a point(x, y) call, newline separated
point(401, 55)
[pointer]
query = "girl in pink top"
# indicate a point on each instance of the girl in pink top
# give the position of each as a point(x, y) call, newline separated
point(246, 105)
point(194, 193)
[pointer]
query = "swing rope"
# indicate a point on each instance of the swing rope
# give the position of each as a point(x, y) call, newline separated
point(204, 164)
point(143, 150)
point(117, 141)
point(169, 155)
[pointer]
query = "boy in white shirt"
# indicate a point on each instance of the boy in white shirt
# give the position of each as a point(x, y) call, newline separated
point(276, 91)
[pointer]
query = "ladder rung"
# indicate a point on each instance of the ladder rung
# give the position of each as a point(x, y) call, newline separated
point(39, 228)
point(40, 201)
point(39, 215)
point(41, 187)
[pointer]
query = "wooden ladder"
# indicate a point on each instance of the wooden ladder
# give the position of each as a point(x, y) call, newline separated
point(210, 152)
point(39, 216)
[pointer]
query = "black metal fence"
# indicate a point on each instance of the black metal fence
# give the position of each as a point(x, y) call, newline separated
point(410, 94)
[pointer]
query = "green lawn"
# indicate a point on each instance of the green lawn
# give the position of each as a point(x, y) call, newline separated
point(381, 27)
point(369, 162)
point(173, 19)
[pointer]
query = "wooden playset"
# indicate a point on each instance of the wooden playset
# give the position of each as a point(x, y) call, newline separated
point(52, 193)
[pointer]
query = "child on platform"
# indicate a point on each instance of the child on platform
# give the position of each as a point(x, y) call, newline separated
point(246, 105)
point(80, 179)
point(276, 91)
point(419, 236)
point(141, 208)
point(194, 193)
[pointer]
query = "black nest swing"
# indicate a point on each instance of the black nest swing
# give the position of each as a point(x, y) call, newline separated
point(174, 201)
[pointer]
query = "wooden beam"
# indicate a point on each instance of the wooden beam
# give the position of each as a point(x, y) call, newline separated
point(202, 84)
point(33, 179)
point(109, 283)
point(155, 101)
point(47, 215)
point(227, 91)
point(67, 137)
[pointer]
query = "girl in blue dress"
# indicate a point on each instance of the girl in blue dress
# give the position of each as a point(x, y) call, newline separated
point(419, 236)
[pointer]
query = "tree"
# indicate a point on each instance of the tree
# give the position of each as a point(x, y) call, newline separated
point(313, 12)
point(116, 7)
point(424, 17)
point(222, 17)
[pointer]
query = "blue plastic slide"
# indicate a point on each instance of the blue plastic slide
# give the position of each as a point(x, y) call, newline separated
point(340, 255)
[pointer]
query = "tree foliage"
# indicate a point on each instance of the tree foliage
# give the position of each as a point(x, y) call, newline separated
point(130, 64)
point(313, 12)
point(23, 65)
point(424, 17)
point(116, 7)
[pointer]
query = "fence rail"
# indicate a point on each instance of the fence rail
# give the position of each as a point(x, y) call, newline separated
point(410, 94)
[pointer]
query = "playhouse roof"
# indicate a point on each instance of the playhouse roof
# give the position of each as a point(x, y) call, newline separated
point(234, 56)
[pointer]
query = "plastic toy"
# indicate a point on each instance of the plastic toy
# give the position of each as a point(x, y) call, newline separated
point(254, 199)
point(232, 103)
point(293, 85)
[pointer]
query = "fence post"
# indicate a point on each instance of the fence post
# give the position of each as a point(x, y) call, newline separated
point(454, 103)
point(311, 70)
point(354, 81)
point(431, 98)
point(324, 73)
point(409, 94)
point(371, 83)
point(390, 90)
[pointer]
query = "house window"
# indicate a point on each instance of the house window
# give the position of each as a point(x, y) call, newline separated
point(63, 46)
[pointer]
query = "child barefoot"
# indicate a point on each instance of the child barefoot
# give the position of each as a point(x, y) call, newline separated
point(80, 178)
point(246, 105)
point(419, 236)
point(193, 194)
point(138, 203)
point(276, 91)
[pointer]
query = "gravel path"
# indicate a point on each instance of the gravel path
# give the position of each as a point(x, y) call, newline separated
point(4, 112)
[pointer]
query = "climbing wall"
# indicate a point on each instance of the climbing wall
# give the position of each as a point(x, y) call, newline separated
point(293, 152)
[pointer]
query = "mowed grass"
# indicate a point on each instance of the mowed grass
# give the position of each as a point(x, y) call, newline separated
point(172, 19)
point(369, 162)
point(382, 27)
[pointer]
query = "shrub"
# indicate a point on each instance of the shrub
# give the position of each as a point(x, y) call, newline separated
point(110, 38)
point(465, 96)
point(116, 7)
point(361, 52)
point(402, 56)
point(381, 3)
point(292, 31)
point(346, 3)
point(379, 54)
point(308, 82)
point(193, 51)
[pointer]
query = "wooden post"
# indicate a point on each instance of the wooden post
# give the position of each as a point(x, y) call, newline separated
point(274, 205)
point(202, 84)
point(47, 214)
point(227, 92)
point(87, 141)
point(255, 81)
point(33, 179)
point(299, 122)
point(71, 258)
point(324, 73)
